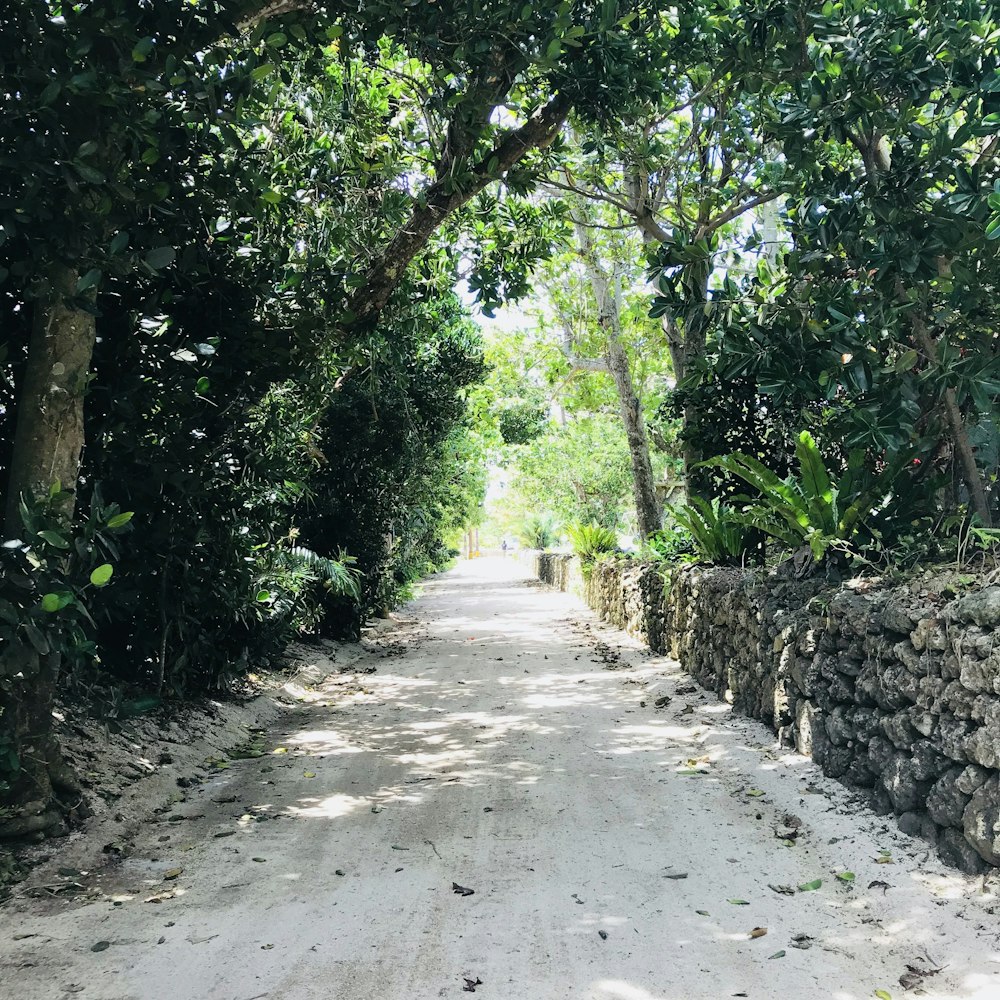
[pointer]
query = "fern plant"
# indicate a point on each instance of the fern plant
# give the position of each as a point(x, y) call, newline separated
point(719, 532)
point(539, 531)
point(812, 509)
point(591, 540)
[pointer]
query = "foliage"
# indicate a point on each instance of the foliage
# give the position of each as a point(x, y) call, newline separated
point(671, 544)
point(591, 541)
point(539, 531)
point(579, 472)
point(812, 508)
point(719, 532)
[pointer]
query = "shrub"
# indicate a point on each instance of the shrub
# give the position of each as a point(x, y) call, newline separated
point(591, 540)
point(719, 533)
point(539, 531)
point(812, 509)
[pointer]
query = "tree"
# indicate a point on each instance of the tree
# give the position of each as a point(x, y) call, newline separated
point(116, 108)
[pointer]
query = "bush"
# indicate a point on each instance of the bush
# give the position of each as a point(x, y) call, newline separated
point(718, 532)
point(812, 509)
point(539, 531)
point(590, 541)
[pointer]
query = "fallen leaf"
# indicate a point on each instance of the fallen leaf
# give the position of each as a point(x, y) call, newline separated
point(308, 774)
point(225, 833)
point(675, 875)
point(462, 890)
point(755, 793)
point(758, 932)
point(811, 886)
point(738, 902)
point(172, 874)
point(784, 890)
point(845, 876)
point(878, 884)
point(883, 995)
point(259, 860)
point(471, 984)
point(777, 954)
point(702, 913)
point(101, 946)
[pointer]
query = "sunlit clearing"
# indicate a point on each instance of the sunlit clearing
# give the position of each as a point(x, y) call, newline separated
point(616, 989)
point(332, 807)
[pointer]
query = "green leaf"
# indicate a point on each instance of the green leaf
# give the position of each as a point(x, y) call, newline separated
point(121, 519)
point(37, 639)
point(202, 385)
point(54, 539)
point(845, 876)
point(89, 280)
point(811, 886)
point(101, 575)
point(263, 596)
point(52, 603)
point(119, 243)
point(883, 995)
point(142, 49)
point(160, 257)
point(271, 196)
point(738, 902)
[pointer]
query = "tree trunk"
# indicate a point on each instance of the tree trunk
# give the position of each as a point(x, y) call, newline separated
point(647, 504)
point(958, 432)
point(697, 479)
point(26, 728)
point(48, 443)
point(648, 511)
point(49, 436)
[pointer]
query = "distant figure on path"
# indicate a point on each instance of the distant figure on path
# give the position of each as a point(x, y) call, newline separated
point(503, 545)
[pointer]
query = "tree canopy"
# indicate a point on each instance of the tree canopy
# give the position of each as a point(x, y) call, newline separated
point(244, 396)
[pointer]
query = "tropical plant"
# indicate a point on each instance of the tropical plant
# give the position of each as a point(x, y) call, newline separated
point(812, 509)
point(591, 541)
point(539, 531)
point(718, 531)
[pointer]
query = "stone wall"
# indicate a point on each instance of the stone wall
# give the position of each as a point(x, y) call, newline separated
point(894, 690)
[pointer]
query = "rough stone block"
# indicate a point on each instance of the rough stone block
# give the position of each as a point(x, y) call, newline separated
point(981, 820)
point(956, 850)
point(919, 824)
point(946, 802)
point(981, 607)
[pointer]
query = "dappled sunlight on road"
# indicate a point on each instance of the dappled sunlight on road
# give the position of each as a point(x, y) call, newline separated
point(518, 795)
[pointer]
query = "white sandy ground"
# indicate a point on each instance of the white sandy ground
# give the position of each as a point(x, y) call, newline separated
point(499, 751)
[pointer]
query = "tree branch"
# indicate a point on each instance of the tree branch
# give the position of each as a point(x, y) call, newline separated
point(734, 212)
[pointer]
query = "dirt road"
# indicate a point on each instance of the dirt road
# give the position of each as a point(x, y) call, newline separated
point(502, 807)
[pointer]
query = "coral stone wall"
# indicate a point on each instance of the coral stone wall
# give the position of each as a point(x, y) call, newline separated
point(894, 690)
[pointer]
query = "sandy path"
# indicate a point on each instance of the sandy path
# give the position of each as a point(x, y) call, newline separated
point(502, 751)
